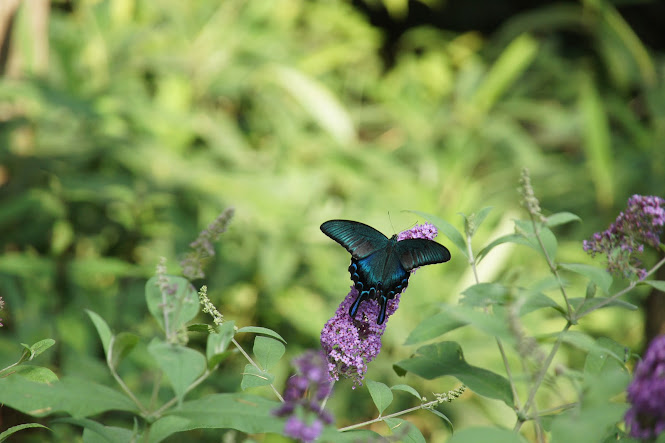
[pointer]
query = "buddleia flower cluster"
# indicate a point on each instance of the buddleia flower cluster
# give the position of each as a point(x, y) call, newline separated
point(639, 225)
point(351, 343)
point(306, 416)
point(646, 393)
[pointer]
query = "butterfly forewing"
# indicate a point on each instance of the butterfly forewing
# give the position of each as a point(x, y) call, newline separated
point(416, 252)
point(358, 238)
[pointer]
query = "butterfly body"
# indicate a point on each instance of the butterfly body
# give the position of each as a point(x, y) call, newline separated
point(380, 265)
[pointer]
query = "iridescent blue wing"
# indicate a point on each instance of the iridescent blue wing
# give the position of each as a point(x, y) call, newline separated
point(358, 238)
point(416, 252)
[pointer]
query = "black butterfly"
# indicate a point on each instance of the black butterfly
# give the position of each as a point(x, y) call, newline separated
point(380, 265)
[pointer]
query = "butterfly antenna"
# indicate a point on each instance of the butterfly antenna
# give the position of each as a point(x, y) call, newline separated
point(391, 222)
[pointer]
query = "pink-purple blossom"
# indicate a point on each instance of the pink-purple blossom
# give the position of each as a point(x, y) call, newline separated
point(646, 393)
point(351, 343)
point(640, 224)
point(311, 378)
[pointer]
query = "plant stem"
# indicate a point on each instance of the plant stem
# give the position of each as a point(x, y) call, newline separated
point(541, 375)
point(396, 414)
point(130, 394)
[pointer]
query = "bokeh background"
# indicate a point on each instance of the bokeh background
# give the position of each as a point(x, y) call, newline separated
point(126, 126)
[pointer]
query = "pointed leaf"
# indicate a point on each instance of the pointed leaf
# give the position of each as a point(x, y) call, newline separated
point(484, 295)
point(181, 365)
point(433, 327)
point(103, 329)
point(262, 331)
point(17, 428)
point(561, 218)
point(41, 346)
point(658, 284)
point(481, 215)
point(597, 275)
point(246, 413)
point(407, 388)
point(446, 358)
point(253, 377)
point(37, 374)
point(531, 239)
point(268, 351)
point(179, 302)
point(75, 396)
point(449, 423)
point(123, 344)
point(381, 395)
point(405, 430)
point(446, 229)
point(509, 238)
point(218, 342)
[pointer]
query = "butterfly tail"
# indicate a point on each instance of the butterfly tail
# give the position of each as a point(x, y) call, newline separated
point(356, 304)
point(382, 314)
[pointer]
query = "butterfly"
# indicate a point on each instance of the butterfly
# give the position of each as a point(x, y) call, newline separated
point(380, 265)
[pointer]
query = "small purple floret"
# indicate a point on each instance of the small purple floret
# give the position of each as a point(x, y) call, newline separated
point(641, 223)
point(646, 393)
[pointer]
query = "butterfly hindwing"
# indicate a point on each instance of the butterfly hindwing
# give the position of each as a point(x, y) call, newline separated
point(358, 238)
point(416, 252)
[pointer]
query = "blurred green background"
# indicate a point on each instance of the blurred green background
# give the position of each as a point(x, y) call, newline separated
point(126, 126)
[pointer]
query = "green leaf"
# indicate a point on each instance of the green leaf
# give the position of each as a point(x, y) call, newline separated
point(590, 303)
point(218, 342)
point(262, 331)
point(268, 351)
point(484, 295)
point(481, 215)
point(15, 429)
point(446, 358)
point(494, 435)
point(530, 239)
point(605, 355)
point(123, 344)
point(597, 275)
point(243, 412)
point(72, 395)
point(181, 365)
point(561, 218)
point(509, 238)
point(449, 423)
point(658, 284)
point(447, 229)
point(36, 373)
point(433, 327)
point(103, 329)
point(41, 346)
point(199, 327)
point(406, 388)
point(511, 64)
point(253, 377)
point(318, 101)
point(380, 393)
point(181, 302)
point(95, 432)
point(405, 430)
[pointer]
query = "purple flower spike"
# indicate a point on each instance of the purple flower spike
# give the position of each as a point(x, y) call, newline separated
point(311, 377)
point(646, 393)
point(641, 223)
point(351, 344)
